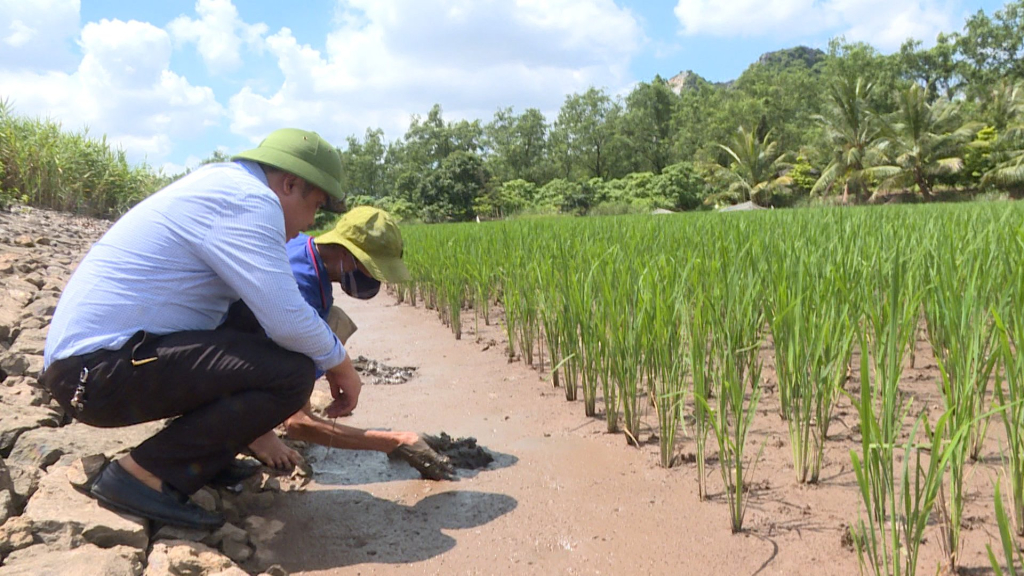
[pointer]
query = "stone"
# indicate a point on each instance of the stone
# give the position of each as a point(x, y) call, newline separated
point(29, 343)
point(57, 507)
point(23, 240)
point(261, 530)
point(9, 319)
point(85, 469)
point(14, 364)
point(43, 305)
point(87, 560)
point(6, 505)
point(275, 570)
point(233, 571)
point(25, 480)
point(23, 391)
point(20, 296)
point(44, 447)
point(180, 558)
point(207, 499)
point(15, 534)
point(16, 420)
point(181, 533)
point(227, 532)
point(237, 551)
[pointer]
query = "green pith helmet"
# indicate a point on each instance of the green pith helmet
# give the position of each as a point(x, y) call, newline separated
point(373, 237)
point(304, 154)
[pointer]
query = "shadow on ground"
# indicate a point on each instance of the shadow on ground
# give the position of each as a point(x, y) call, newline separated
point(327, 529)
point(338, 467)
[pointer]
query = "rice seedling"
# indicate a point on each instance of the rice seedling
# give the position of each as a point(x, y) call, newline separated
point(1011, 552)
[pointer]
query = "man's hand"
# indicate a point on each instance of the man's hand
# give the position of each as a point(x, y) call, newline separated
point(430, 464)
point(345, 387)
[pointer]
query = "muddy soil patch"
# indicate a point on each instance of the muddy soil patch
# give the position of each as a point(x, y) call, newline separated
point(463, 453)
point(374, 372)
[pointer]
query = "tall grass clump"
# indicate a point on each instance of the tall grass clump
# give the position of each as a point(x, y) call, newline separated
point(1009, 388)
point(43, 165)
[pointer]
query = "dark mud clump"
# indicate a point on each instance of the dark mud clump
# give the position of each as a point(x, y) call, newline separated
point(462, 452)
point(374, 372)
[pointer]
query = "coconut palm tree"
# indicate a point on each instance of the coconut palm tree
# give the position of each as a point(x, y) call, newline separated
point(920, 141)
point(1005, 110)
point(851, 131)
point(754, 170)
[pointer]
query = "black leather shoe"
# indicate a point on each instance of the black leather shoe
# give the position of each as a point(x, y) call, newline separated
point(237, 472)
point(123, 492)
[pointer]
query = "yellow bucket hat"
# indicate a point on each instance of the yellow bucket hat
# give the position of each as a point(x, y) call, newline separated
point(373, 237)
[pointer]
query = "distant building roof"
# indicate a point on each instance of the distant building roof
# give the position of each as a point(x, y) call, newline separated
point(742, 206)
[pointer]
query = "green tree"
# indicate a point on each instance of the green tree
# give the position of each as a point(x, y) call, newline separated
point(449, 192)
point(367, 165)
point(646, 125)
point(920, 142)
point(991, 48)
point(584, 133)
point(754, 172)
point(850, 133)
point(934, 68)
point(517, 145)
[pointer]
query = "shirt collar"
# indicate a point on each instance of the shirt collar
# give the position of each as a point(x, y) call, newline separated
point(255, 169)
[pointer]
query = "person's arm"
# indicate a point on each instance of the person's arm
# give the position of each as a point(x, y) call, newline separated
point(247, 251)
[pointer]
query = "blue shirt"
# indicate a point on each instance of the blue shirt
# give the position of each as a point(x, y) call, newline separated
point(311, 274)
point(177, 261)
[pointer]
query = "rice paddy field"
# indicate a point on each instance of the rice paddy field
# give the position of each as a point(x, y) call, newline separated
point(881, 339)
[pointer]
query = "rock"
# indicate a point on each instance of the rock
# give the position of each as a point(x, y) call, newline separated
point(15, 534)
point(58, 509)
point(16, 420)
point(207, 499)
point(88, 560)
point(44, 241)
point(6, 505)
point(44, 447)
point(23, 240)
point(275, 570)
point(29, 343)
point(23, 391)
point(233, 571)
point(180, 533)
point(9, 318)
point(43, 305)
point(227, 532)
point(237, 551)
point(262, 530)
point(84, 470)
point(179, 557)
point(26, 482)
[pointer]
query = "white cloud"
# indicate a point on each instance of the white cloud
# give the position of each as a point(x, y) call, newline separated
point(122, 88)
point(218, 34)
point(883, 23)
point(388, 60)
point(37, 33)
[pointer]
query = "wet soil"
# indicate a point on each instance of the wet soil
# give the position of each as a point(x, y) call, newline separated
point(461, 452)
point(374, 372)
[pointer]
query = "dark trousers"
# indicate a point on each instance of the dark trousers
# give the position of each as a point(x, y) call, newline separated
point(226, 388)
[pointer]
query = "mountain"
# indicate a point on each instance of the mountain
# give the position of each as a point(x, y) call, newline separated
point(798, 56)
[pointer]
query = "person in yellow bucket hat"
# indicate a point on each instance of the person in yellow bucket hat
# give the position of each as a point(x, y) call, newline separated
point(363, 250)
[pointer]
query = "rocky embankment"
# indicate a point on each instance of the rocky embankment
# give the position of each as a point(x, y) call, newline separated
point(47, 526)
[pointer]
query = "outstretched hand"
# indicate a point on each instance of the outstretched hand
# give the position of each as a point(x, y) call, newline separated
point(430, 464)
point(345, 387)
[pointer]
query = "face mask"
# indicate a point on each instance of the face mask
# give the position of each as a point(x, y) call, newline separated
point(359, 285)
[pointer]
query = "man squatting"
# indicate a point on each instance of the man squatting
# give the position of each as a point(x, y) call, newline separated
point(135, 335)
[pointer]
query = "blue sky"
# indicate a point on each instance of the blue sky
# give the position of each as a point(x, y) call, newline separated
point(173, 80)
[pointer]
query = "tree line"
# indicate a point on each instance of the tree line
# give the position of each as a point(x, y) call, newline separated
point(849, 124)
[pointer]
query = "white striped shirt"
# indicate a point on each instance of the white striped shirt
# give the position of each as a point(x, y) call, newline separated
point(178, 259)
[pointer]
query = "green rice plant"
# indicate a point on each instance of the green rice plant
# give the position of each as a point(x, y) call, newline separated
point(1010, 398)
point(813, 337)
point(1011, 552)
point(736, 327)
point(889, 544)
